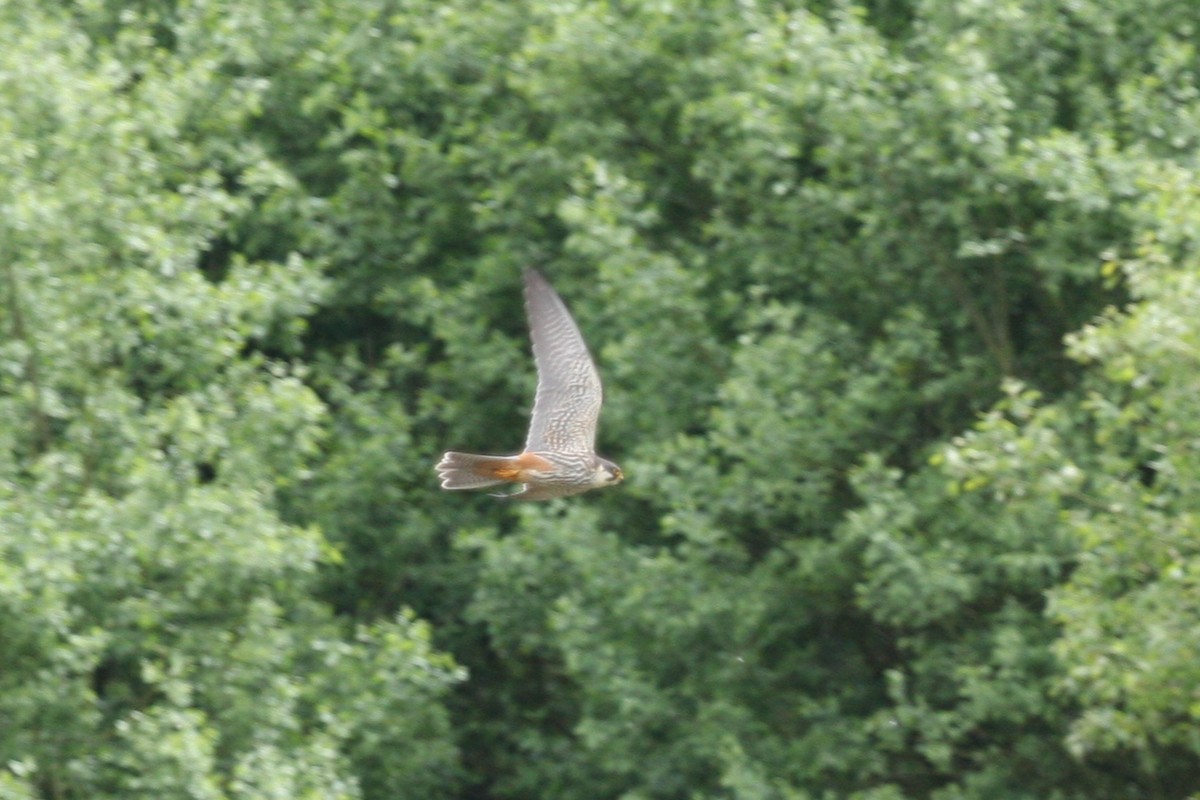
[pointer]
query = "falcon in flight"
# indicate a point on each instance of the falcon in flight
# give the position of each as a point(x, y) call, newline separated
point(559, 458)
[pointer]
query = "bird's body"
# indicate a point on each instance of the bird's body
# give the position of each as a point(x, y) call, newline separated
point(559, 458)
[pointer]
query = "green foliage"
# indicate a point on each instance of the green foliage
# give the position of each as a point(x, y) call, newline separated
point(1127, 610)
point(161, 632)
point(884, 535)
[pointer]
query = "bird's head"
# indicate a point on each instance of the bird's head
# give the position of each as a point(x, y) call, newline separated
point(607, 473)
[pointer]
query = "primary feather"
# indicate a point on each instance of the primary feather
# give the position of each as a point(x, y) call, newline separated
point(567, 405)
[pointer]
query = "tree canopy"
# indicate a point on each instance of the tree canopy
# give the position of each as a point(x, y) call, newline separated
point(895, 305)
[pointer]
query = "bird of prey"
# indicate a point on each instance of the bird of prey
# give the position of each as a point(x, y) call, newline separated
point(559, 458)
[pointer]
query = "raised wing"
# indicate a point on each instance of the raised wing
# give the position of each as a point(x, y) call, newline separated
point(568, 399)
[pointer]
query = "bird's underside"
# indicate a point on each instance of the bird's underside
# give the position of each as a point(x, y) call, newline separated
point(534, 475)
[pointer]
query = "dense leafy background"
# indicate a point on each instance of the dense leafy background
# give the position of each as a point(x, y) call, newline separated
point(896, 309)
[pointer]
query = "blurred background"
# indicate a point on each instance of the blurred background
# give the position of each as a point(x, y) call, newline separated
point(895, 305)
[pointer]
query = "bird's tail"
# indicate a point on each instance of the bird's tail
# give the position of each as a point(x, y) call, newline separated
point(470, 471)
